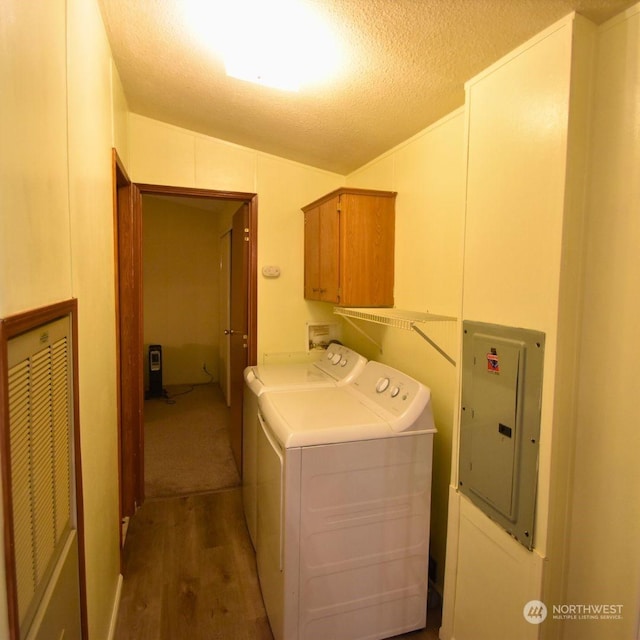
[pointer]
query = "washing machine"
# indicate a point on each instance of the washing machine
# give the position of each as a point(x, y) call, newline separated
point(344, 496)
point(338, 366)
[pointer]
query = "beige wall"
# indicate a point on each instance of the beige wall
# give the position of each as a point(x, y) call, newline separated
point(535, 209)
point(35, 259)
point(181, 273)
point(91, 220)
point(120, 116)
point(56, 238)
point(428, 173)
point(522, 258)
point(602, 547)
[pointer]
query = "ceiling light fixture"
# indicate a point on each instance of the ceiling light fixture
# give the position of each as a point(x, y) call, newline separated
point(281, 43)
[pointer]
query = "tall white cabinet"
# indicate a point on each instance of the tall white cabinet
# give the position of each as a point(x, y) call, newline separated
point(527, 128)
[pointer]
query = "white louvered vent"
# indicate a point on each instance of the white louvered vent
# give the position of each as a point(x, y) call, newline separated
point(40, 431)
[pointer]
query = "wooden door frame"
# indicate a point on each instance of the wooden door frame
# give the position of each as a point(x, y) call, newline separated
point(252, 201)
point(130, 242)
point(120, 181)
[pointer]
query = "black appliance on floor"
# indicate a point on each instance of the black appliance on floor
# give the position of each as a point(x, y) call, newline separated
point(155, 371)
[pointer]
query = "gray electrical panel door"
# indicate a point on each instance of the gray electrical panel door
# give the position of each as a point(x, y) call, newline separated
point(500, 423)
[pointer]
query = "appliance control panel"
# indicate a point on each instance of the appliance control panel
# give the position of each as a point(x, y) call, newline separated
point(340, 362)
point(393, 392)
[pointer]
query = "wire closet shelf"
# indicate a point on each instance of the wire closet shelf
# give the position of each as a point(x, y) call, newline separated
point(398, 319)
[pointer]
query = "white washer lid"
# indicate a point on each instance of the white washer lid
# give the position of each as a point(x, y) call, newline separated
point(321, 416)
point(265, 377)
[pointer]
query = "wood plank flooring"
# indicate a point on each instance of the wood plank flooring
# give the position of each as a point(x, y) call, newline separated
point(190, 574)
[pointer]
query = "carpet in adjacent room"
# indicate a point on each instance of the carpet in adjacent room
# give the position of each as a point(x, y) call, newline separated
point(186, 448)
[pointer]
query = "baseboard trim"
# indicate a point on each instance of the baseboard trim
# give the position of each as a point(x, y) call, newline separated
point(116, 609)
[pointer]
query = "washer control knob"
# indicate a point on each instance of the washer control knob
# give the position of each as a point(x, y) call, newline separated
point(344, 363)
point(382, 385)
point(335, 358)
point(395, 391)
point(329, 354)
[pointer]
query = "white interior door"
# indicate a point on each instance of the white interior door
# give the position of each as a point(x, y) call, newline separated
point(225, 314)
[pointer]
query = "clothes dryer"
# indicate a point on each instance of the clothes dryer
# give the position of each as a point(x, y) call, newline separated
point(338, 366)
point(344, 495)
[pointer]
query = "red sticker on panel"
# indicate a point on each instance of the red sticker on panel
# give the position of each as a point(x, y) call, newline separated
point(493, 362)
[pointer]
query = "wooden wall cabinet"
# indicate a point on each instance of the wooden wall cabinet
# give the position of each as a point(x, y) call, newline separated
point(349, 237)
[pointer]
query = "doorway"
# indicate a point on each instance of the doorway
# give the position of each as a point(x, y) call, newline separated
point(129, 290)
point(186, 293)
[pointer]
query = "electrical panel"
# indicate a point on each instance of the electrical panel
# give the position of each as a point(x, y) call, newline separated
point(500, 423)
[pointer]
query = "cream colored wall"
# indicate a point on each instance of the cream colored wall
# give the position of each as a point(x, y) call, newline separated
point(605, 513)
point(555, 481)
point(35, 257)
point(284, 187)
point(56, 236)
point(120, 116)
point(522, 248)
point(163, 154)
point(428, 173)
point(181, 274)
point(92, 253)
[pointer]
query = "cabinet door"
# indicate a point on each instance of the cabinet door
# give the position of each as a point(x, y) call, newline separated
point(329, 233)
point(312, 254)
point(367, 250)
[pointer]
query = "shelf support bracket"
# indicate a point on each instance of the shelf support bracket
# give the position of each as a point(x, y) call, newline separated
point(362, 332)
point(423, 335)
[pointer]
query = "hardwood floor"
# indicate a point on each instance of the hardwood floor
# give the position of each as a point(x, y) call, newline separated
point(190, 574)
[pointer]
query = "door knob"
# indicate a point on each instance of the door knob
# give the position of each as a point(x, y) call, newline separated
point(231, 332)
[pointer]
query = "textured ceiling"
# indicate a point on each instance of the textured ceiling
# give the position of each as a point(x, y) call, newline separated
point(406, 65)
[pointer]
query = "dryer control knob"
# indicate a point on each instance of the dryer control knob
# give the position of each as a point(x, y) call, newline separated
point(382, 385)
